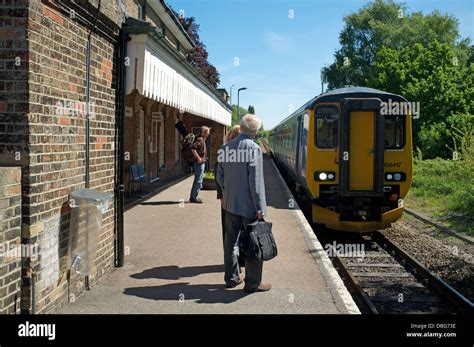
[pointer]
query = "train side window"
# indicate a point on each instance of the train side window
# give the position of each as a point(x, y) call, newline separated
point(326, 127)
point(394, 132)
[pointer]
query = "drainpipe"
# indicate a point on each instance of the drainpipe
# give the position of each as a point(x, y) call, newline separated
point(88, 91)
point(119, 189)
point(119, 131)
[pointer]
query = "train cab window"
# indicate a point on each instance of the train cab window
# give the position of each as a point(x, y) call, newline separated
point(326, 121)
point(394, 132)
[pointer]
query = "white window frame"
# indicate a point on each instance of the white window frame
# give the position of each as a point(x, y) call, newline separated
point(156, 119)
point(140, 11)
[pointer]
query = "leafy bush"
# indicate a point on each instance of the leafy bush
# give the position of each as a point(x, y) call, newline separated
point(209, 175)
point(419, 56)
point(444, 188)
point(462, 132)
point(432, 138)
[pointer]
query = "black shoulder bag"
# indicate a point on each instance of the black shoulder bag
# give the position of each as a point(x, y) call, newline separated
point(259, 243)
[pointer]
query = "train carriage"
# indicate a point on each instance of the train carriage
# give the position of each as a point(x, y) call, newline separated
point(348, 152)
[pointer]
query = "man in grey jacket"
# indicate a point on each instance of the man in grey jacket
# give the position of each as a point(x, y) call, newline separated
point(240, 175)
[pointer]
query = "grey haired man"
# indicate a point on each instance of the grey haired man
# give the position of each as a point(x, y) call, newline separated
point(240, 175)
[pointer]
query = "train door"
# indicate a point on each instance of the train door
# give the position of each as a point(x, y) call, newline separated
point(361, 149)
point(299, 123)
point(302, 141)
point(361, 157)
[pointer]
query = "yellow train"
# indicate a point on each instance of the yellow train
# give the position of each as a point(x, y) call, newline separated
point(348, 152)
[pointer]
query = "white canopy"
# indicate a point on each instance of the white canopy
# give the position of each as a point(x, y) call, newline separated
point(158, 75)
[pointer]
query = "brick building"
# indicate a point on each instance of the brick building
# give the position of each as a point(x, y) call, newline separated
point(162, 88)
point(43, 122)
point(10, 229)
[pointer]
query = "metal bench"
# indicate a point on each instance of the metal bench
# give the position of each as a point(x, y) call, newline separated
point(138, 175)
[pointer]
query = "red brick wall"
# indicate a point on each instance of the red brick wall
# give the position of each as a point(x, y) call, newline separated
point(10, 239)
point(42, 129)
point(51, 137)
point(130, 134)
point(171, 168)
point(170, 120)
point(14, 118)
point(14, 66)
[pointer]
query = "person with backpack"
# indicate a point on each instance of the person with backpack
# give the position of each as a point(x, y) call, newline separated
point(199, 157)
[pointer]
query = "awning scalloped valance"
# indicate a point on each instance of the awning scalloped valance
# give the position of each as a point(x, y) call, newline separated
point(157, 80)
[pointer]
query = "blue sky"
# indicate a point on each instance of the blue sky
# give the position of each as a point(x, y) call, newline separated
point(279, 58)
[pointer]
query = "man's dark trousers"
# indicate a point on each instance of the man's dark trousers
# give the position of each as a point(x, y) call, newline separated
point(253, 270)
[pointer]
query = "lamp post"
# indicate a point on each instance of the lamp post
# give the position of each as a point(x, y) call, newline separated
point(238, 100)
point(232, 86)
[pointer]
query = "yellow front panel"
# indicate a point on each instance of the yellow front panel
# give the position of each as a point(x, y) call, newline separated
point(332, 220)
point(319, 160)
point(361, 150)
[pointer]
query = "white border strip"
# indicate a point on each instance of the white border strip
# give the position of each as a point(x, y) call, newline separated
point(320, 256)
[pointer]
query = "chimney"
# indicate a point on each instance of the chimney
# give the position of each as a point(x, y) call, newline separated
point(224, 94)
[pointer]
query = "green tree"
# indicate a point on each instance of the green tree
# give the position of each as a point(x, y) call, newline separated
point(251, 109)
point(443, 85)
point(418, 56)
point(198, 56)
point(263, 134)
point(385, 23)
point(235, 117)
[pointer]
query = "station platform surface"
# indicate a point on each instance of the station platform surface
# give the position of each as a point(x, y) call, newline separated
point(174, 262)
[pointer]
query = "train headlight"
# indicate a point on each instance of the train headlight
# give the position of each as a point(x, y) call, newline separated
point(395, 176)
point(324, 176)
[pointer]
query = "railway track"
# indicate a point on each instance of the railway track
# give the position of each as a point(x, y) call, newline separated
point(383, 278)
point(438, 226)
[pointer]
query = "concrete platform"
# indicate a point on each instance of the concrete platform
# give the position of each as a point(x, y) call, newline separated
point(175, 262)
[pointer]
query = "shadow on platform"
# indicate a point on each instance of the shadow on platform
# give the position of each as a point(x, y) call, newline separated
point(174, 272)
point(157, 203)
point(183, 291)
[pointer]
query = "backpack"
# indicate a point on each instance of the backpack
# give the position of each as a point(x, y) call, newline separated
point(187, 146)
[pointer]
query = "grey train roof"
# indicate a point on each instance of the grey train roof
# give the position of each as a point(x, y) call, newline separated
point(336, 95)
point(355, 92)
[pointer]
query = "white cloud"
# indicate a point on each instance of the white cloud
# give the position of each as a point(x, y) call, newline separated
point(278, 42)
